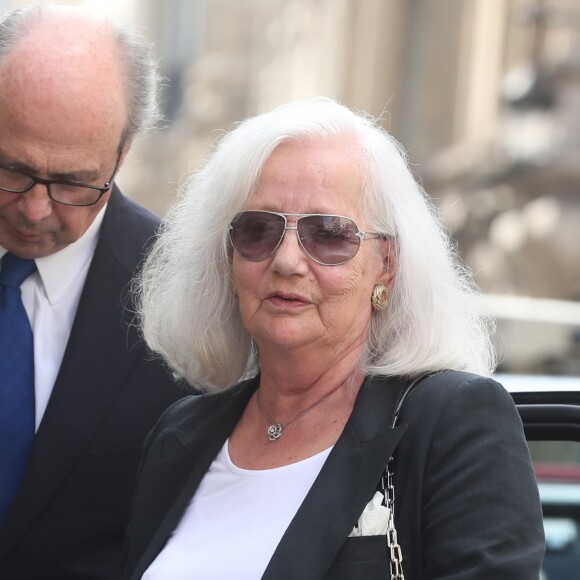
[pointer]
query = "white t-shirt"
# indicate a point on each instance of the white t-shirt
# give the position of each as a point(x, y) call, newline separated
point(235, 520)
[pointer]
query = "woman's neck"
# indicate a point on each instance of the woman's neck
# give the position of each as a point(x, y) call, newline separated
point(284, 395)
point(311, 404)
point(308, 372)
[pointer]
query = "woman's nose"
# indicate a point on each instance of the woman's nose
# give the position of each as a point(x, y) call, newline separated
point(289, 257)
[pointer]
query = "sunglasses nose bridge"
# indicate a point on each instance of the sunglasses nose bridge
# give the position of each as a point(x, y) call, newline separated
point(290, 226)
point(287, 226)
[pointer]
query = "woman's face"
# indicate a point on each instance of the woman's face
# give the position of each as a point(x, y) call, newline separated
point(288, 300)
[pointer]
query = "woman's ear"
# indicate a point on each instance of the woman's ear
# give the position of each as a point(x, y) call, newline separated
point(388, 249)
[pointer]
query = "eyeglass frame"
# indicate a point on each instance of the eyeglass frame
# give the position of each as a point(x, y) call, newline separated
point(48, 182)
point(361, 235)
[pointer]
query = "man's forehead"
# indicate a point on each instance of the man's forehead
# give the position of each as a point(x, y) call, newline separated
point(72, 109)
point(74, 70)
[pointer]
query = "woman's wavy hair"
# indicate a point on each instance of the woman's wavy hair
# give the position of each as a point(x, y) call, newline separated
point(187, 308)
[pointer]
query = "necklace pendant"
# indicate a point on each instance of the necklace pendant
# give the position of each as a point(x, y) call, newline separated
point(274, 431)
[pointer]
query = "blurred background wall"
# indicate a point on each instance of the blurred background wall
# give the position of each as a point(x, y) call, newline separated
point(483, 94)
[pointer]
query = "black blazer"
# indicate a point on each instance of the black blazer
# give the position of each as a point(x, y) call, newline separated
point(467, 504)
point(69, 517)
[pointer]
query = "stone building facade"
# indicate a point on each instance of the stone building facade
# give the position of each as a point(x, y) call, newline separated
point(483, 94)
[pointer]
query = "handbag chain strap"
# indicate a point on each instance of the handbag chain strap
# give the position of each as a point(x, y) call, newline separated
point(395, 554)
point(388, 490)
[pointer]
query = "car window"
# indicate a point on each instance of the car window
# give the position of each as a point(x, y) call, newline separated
point(557, 468)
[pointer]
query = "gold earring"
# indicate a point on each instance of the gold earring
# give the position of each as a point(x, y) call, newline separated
point(380, 297)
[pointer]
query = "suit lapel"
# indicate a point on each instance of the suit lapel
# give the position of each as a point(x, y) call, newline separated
point(85, 388)
point(344, 486)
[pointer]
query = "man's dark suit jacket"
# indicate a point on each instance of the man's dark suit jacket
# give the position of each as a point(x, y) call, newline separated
point(467, 505)
point(69, 517)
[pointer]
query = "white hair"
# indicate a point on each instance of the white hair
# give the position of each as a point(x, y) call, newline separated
point(187, 308)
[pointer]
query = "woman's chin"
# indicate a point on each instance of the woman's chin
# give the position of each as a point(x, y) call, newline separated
point(287, 335)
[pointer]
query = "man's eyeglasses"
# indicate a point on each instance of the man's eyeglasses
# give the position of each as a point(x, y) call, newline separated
point(330, 240)
point(67, 193)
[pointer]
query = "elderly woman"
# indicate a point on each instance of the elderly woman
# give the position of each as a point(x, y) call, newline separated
point(305, 282)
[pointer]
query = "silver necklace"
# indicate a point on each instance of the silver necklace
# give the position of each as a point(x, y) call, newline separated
point(275, 430)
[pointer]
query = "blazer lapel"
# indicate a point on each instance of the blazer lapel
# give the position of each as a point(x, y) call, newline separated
point(330, 510)
point(84, 389)
point(344, 486)
point(180, 459)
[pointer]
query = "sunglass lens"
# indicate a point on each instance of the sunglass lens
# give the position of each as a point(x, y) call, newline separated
point(256, 234)
point(329, 240)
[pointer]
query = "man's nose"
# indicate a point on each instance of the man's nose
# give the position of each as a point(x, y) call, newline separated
point(35, 204)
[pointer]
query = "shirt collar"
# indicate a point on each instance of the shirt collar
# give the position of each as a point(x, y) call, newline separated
point(58, 270)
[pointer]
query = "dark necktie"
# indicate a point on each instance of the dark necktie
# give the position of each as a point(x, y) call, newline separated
point(16, 379)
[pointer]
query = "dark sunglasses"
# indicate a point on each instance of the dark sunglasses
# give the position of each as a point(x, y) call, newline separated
point(330, 240)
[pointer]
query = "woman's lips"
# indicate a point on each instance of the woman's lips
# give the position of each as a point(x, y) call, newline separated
point(287, 300)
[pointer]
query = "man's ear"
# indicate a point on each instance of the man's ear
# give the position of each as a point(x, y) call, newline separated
point(124, 152)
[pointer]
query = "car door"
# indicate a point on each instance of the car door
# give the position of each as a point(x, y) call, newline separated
point(550, 412)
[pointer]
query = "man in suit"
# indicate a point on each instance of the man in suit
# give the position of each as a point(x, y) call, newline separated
point(74, 92)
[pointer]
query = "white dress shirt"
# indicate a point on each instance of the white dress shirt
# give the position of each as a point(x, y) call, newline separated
point(51, 296)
